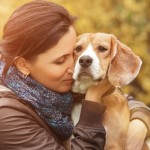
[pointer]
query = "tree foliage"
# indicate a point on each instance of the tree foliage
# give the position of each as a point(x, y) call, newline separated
point(128, 20)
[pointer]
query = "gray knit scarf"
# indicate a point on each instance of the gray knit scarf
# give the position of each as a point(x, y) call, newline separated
point(54, 108)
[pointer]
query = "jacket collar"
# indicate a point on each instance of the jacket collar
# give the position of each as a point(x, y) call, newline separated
point(4, 89)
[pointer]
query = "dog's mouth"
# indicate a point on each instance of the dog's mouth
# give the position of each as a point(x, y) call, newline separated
point(83, 75)
point(87, 76)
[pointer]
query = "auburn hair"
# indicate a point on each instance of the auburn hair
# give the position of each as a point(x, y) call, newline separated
point(32, 29)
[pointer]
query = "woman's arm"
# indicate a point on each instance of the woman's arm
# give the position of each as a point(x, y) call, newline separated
point(89, 132)
point(139, 127)
point(140, 111)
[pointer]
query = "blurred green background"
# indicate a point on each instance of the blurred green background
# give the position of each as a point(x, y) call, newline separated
point(128, 20)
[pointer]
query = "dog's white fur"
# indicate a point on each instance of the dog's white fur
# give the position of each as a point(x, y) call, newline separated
point(94, 70)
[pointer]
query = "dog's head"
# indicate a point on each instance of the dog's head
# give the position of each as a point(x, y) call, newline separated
point(99, 55)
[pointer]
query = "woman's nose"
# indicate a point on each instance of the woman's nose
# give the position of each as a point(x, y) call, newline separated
point(70, 70)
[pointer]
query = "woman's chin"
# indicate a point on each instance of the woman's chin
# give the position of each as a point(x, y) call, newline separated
point(64, 89)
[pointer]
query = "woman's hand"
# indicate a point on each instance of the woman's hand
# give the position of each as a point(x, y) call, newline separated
point(95, 92)
point(136, 135)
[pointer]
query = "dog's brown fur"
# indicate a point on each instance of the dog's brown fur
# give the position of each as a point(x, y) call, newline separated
point(121, 66)
point(116, 120)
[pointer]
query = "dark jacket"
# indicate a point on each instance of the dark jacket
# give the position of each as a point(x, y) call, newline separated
point(21, 128)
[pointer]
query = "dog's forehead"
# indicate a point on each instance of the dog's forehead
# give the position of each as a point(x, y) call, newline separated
point(91, 37)
point(95, 39)
point(101, 37)
point(84, 37)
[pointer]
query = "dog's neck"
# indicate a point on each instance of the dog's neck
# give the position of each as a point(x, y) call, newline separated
point(109, 91)
point(81, 87)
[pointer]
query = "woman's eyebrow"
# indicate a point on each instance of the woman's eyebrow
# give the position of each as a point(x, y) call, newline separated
point(62, 56)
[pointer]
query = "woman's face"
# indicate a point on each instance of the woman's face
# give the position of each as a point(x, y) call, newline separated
point(54, 67)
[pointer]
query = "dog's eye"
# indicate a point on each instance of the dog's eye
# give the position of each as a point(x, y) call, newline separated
point(78, 48)
point(102, 49)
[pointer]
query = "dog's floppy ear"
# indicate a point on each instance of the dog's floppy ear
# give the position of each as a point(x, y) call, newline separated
point(124, 65)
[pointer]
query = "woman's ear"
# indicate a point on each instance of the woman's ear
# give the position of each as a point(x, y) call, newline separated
point(21, 64)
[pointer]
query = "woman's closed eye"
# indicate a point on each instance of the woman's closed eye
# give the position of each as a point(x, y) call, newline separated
point(68, 58)
point(60, 60)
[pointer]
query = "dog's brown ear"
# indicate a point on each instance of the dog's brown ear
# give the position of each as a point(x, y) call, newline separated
point(124, 65)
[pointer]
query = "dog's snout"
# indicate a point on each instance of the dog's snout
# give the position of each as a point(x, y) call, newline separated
point(85, 61)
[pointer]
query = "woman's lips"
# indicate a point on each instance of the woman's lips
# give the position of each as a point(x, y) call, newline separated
point(69, 81)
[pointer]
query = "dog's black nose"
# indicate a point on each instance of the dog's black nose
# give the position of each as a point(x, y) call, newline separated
point(85, 61)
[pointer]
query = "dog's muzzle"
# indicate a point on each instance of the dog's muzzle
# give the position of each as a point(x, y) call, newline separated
point(87, 68)
point(85, 61)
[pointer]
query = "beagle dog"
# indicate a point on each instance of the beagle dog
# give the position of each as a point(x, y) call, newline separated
point(98, 56)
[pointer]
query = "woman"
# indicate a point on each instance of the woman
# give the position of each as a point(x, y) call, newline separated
point(36, 77)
